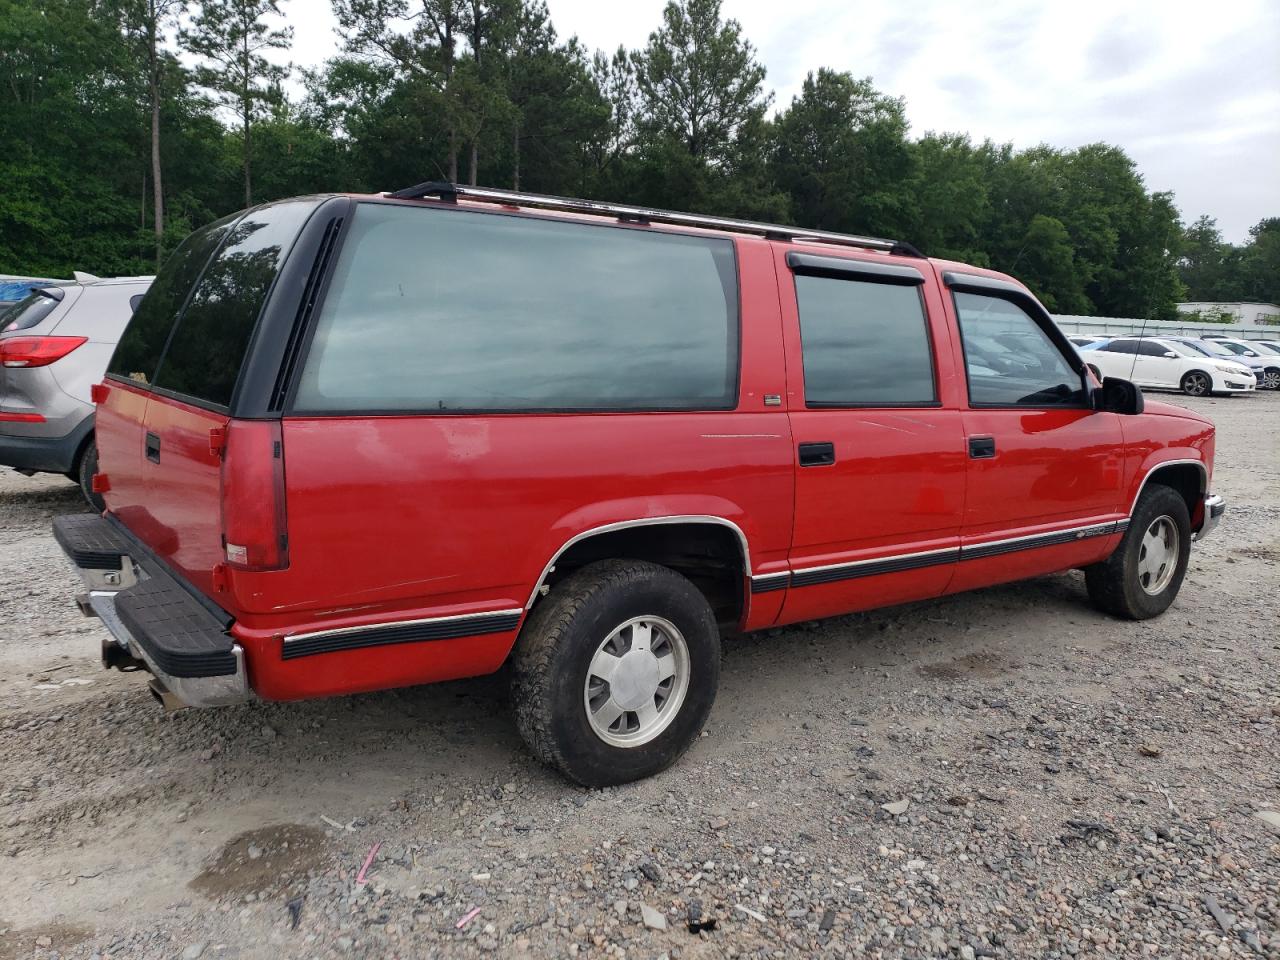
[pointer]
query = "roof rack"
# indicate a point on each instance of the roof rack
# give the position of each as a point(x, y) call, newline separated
point(450, 192)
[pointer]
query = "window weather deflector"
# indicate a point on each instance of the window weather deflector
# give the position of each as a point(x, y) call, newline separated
point(451, 192)
point(840, 268)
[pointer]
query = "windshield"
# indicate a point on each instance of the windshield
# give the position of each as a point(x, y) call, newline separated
point(1269, 349)
point(1234, 349)
point(1210, 348)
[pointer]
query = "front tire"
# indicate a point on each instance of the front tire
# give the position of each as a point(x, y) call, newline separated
point(1142, 577)
point(1270, 379)
point(615, 672)
point(85, 470)
point(1196, 384)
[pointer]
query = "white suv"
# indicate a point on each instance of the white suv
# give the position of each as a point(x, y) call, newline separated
point(1168, 364)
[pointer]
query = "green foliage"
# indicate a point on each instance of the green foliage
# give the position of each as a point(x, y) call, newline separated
point(1212, 315)
point(486, 91)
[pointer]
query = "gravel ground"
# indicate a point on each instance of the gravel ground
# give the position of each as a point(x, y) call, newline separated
point(1004, 773)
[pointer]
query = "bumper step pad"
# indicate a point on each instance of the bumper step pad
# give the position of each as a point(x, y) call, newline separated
point(90, 541)
point(174, 629)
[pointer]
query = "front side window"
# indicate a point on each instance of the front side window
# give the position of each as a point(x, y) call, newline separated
point(138, 353)
point(864, 343)
point(448, 310)
point(1149, 348)
point(204, 357)
point(1010, 360)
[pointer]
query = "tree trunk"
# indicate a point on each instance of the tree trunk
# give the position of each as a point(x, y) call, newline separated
point(157, 183)
point(515, 153)
point(453, 155)
point(248, 186)
point(475, 159)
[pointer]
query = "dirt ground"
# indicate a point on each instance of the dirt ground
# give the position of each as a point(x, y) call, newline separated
point(1056, 783)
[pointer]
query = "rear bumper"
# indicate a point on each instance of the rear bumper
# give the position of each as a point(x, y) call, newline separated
point(44, 454)
point(155, 620)
point(1214, 508)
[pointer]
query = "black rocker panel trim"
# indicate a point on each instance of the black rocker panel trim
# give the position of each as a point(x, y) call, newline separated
point(809, 578)
point(769, 582)
point(814, 577)
point(307, 646)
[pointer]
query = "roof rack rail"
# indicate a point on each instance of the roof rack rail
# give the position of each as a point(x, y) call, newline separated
point(450, 192)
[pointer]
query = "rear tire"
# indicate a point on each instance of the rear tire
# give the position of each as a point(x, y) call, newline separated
point(654, 634)
point(1270, 379)
point(1096, 372)
point(85, 470)
point(1196, 384)
point(1142, 577)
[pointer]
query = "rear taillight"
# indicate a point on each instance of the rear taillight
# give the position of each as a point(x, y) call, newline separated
point(36, 351)
point(254, 534)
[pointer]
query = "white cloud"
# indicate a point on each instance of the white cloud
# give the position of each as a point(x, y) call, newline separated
point(1191, 90)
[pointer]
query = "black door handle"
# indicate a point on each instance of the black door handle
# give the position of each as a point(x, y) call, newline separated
point(982, 448)
point(817, 454)
point(153, 448)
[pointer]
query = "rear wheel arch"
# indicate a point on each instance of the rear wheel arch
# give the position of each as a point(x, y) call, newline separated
point(711, 552)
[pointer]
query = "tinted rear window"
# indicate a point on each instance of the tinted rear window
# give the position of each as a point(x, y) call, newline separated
point(25, 314)
point(138, 353)
point(437, 310)
point(204, 357)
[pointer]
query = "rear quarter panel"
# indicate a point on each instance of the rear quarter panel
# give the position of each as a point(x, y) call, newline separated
point(400, 517)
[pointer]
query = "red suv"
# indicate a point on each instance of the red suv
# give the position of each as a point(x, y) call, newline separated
point(358, 442)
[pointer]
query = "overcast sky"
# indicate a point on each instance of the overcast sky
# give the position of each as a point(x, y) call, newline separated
point(1191, 89)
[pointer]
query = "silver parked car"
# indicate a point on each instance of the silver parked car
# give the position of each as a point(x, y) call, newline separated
point(54, 345)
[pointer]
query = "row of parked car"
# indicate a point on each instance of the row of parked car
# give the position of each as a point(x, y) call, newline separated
point(1198, 366)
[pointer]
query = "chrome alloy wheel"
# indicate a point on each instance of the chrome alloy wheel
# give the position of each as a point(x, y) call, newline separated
point(637, 681)
point(1158, 555)
point(1196, 384)
point(1270, 380)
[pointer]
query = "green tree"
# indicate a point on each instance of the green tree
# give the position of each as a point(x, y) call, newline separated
point(699, 81)
point(841, 153)
point(1260, 262)
point(231, 36)
point(146, 22)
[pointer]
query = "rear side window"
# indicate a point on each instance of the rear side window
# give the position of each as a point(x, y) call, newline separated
point(26, 313)
point(204, 357)
point(865, 344)
point(138, 353)
point(437, 310)
point(1122, 346)
point(1010, 360)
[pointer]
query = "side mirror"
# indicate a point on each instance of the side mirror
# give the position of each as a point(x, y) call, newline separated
point(1171, 355)
point(1117, 395)
point(1250, 353)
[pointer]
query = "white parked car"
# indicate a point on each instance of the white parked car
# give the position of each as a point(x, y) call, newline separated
point(1168, 364)
point(1264, 367)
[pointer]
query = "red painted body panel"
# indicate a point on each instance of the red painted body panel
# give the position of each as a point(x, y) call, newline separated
point(397, 518)
point(898, 482)
point(118, 433)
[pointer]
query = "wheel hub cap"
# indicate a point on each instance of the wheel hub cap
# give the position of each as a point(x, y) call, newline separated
point(636, 681)
point(1158, 555)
